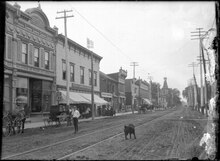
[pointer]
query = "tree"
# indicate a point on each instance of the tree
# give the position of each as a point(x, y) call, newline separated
point(175, 96)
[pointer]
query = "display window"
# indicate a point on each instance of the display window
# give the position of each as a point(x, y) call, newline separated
point(22, 94)
point(7, 93)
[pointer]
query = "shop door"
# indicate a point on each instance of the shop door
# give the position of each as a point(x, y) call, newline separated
point(36, 95)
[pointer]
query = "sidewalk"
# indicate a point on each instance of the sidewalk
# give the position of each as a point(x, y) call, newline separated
point(35, 124)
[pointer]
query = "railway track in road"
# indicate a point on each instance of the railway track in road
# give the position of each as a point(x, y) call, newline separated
point(109, 138)
point(120, 123)
point(138, 150)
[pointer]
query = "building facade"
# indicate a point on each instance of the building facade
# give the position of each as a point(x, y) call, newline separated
point(144, 92)
point(29, 60)
point(120, 92)
point(132, 93)
point(108, 89)
point(80, 81)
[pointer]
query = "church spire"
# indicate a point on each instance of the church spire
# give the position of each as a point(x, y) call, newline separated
point(165, 83)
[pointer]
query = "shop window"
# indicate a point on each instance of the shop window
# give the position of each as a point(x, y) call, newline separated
point(7, 93)
point(22, 93)
point(36, 57)
point(46, 60)
point(24, 56)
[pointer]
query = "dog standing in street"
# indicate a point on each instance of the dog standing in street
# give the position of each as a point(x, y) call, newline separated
point(129, 129)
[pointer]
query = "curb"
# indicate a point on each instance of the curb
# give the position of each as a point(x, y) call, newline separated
point(41, 123)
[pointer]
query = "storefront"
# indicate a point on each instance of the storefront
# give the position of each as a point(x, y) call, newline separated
point(34, 94)
point(40, 95)
point(7, 102)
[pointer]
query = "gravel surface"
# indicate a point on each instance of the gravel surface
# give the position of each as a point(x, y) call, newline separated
point(167, 137)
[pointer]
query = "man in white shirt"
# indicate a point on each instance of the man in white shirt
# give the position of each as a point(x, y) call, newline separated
point(75, 114)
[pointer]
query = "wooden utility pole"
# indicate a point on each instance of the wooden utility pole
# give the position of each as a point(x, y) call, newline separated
point(134, 64)
point(200, 59)
point(150, 78)
point(89, 46)
point(66, 54)
point(193, 64)
point(198, 37)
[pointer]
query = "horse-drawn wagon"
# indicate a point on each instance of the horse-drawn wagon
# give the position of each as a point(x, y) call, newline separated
point(58, 114)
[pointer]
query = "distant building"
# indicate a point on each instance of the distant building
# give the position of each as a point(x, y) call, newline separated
point(164, 94)
point(29, 60)
point(144, 92)
point(120, 91)
point(108, 89)
point(132, 93)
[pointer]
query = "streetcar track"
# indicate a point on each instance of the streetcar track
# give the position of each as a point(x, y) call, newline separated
point(175, 139)
point(63, 141)
point(114, 136)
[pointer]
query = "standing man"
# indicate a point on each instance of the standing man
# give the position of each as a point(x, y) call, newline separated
point(76, 115)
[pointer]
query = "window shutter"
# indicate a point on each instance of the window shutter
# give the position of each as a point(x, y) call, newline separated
point(51, 60)
point(30, 54)
point(19, 51)
point(42, 58)
point(9, 54)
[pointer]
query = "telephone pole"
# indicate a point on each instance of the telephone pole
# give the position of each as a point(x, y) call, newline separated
point(150, 78)
point(199, 37)
point(89, 46)
point(134, 64)
point(193, 64)
point(66, 54)
point(200, 59)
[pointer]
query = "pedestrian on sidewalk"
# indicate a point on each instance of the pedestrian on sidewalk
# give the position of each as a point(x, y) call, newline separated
point(75, 114)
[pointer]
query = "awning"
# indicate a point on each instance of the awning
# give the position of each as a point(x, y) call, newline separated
point(74, 97)
point(147, 101)
point(97, 99)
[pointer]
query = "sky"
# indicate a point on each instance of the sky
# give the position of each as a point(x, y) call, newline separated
point(156, 35)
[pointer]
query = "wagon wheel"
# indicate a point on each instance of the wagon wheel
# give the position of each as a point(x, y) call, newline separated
point(17, 125)
point(7, 127)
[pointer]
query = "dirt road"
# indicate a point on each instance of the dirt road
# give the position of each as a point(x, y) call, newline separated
point(173, 133)
point(176, 136)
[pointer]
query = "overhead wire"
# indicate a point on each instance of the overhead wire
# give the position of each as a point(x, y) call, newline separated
point(105, 37)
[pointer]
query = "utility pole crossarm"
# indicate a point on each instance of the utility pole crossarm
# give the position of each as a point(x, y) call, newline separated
point(64, 17)
point(64, 11)
point(134, 64)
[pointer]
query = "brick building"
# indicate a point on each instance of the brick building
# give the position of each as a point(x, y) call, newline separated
point(108, 89)
point(120, 91)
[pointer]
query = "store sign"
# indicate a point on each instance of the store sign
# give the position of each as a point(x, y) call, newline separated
point(108, 95)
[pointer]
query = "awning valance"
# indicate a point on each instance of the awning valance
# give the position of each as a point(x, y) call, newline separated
point(74, 97)
point(97, 99)
point(147, 101)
